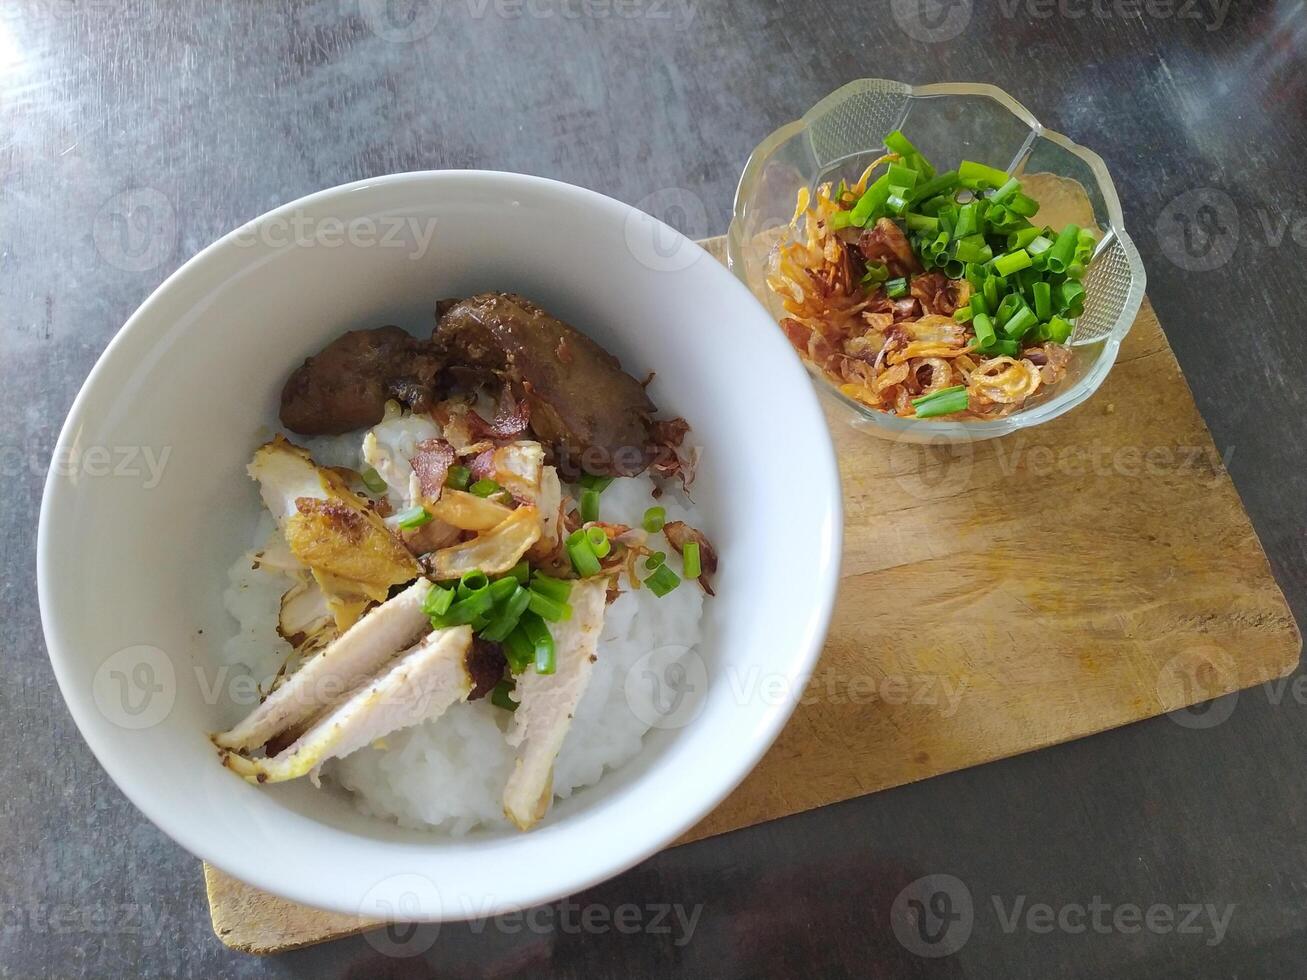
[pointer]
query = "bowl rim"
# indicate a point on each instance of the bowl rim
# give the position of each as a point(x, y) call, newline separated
point(947, 430)
point(131, 779)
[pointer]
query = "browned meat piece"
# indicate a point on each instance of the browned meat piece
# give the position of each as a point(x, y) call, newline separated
point(345, 386)
point(581, 403)
point(485, 665)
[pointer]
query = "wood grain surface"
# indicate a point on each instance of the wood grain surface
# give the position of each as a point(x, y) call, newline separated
point(995, 598)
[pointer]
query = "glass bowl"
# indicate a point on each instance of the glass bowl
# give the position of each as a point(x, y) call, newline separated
point(845, 131)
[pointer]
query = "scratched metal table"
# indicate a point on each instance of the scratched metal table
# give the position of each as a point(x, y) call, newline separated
point(136, 134)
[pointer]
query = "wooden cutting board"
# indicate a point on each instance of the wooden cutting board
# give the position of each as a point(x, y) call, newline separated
point(996, 598)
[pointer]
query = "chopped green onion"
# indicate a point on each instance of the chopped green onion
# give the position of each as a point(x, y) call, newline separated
point(596, 483)
point(598, 540)
point(373, 480)
point(1012, 262)
point(1059, 330)
point(413, 517)
point(871, 202)
point(875, 275)
point(962, 314)
point(967, 223)
point(1039, 244)
point(1063, 250)
point(840, 220)
point(472, 582)
point(937, 185)
point(691, 561)
point(558, 589)
point(901, 176)
point(589, 505)
point(506, 618)
point(653, 519)
point(437, 601)
point(547, 608)
point(901, 145)
point(969, 250)
point(484, 488)
point(1025, 206)
point(499, 696)
point(984, 328)
point(583, 556)
point(974, 174)
point(990, 292)
point(654, 560)
point(1043, 294)
point(1008, 188)
point(1070, 294)
point(521, 571)
point(1022, 238)
point(943, 402)
point(1004, 348)
point(921, 222)
point(458, 477)
point(662, 581)
point(466, 610)
point(519, 651)
point(1021, 321)
point(1007, 308)
point(502, 588)
point(896, 288)
point(541, 640)
point(897, 202)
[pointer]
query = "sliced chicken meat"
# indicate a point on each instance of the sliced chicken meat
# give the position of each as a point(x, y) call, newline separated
point(547, 703)
point(420, 684)
point(330, 676)
point(353, 556)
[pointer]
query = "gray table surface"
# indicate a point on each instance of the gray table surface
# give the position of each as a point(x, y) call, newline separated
point(210, 114)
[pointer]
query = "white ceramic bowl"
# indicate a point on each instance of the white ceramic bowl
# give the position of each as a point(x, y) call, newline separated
point(131, 567)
